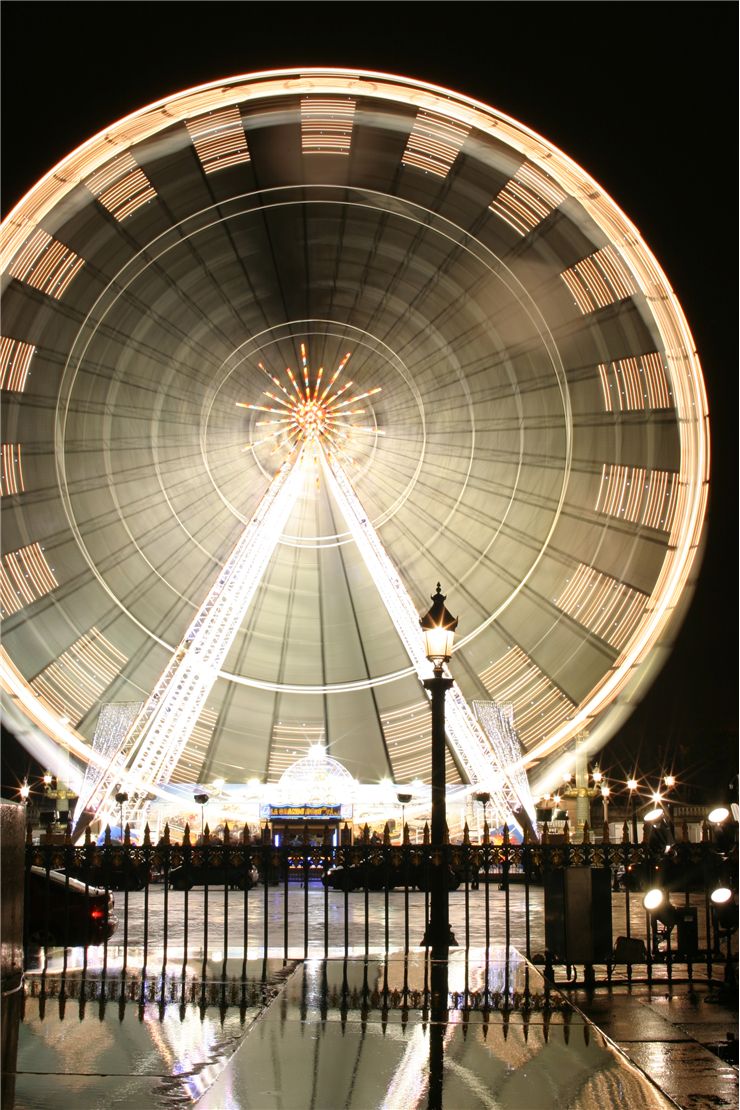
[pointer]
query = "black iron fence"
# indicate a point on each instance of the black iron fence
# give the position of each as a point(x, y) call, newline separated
point(562, 904)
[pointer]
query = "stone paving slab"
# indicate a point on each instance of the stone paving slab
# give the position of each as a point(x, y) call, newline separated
point(688, 1073)
point(665, 1031)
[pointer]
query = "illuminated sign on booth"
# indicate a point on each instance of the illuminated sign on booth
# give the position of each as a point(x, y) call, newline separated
point(302, 813)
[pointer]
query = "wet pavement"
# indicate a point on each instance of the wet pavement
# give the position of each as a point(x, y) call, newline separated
point(323, 1033)
point(678, 1035)
point(319, 923)
point(157, 1025)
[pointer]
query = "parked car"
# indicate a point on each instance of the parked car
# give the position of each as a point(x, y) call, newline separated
point(380, 876)
point(188, 876)
point(61, 910)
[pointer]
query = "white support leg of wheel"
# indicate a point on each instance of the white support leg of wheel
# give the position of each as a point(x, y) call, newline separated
point(465, 735)
point(157, 738)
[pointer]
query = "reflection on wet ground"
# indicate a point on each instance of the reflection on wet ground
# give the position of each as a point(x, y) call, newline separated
point(322, 1033)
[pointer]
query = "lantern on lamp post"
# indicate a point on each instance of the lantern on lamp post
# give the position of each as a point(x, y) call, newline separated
point(438, 627)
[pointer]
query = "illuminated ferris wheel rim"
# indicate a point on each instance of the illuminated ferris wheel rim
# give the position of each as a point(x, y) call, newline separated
point(404, 210)
point(678, 346)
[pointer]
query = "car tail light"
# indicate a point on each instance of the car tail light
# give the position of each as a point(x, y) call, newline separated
point(97, 914)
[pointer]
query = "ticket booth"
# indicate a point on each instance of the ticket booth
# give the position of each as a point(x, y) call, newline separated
point(304, 824)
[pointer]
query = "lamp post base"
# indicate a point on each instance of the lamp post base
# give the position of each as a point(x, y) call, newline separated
point(428, 941)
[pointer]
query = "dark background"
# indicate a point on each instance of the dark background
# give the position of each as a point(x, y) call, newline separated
point(642, 95)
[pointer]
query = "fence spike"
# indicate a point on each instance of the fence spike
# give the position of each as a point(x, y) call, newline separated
point(147, 835)
point(106, 836)
point(366, 834)
point(486, 832)
point(406, 838)
point(586, 833)
point(68, 834)
point(166, 833)
point(327, 835)
point(426, 832)
point(346, 835)
point(505, 833)
point(386, 834)
point(127, 834)
point(566, 831)
point(266, 838)
point(545, 833)
point(466, 834)
point(245, 834)
point(186, 834)
point(227, 834)
point(206, 834)
point(605, 833)
point(625, 834)
point(88, 837)
point(704, 831)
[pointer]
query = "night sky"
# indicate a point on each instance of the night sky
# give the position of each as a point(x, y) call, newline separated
point(643, 96)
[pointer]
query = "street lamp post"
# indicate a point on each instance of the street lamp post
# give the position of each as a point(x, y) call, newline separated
point(403, 801)
point(121, 799)
point(483, 797)
point(439, 633)
point(632, 787)
point(201, 800)
point(605, 792)
point(669, 781)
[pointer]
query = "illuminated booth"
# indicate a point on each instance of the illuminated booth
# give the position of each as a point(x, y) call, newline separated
point(314, 795)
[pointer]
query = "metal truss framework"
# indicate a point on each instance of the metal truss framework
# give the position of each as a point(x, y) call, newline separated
point(160, 733)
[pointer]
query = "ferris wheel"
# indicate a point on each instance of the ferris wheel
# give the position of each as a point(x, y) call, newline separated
point(278, 354)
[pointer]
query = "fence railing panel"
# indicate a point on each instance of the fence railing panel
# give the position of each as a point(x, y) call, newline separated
point(166, 900)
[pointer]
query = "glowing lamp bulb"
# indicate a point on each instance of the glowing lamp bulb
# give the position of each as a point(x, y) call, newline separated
point(438, 627)
point(721, 895)
point(653, 899)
